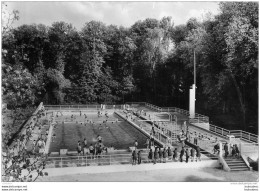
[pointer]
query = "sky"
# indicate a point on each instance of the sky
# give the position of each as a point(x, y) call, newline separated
point(121, 13)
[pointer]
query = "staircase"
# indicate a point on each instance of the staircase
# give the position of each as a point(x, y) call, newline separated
point(175, 131)
point(174, 138)
point(237, 164)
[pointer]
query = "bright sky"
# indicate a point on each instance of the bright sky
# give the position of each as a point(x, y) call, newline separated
point(117, 13)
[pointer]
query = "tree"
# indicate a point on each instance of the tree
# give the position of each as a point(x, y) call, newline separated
point(241, 38)
point(19, 91)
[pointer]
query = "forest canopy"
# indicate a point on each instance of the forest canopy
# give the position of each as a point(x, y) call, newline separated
point(150, 61)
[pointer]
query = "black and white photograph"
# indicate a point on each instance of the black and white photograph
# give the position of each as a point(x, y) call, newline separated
point(130, 91)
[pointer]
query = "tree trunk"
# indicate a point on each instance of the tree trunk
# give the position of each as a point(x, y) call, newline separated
point(240, 97)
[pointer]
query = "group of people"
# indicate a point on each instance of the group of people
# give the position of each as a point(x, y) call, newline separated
point(161, 155)
point(20, 144)
point(93, 149)
point(234, 150)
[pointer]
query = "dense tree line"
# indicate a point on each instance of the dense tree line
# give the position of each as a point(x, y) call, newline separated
point(151, 61)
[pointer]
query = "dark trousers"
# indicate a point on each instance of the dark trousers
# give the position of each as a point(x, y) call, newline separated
point(181, 157)
point(139, 160)
point(226, 153)
point(187, 159)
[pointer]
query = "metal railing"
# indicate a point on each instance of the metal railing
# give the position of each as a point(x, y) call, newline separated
point(135, 104)
point(198, 117)
point(80, 107)
point(237, 133)
point(101, 160)
point(245, 135)
point(88, 160)
point(153, 107)
point(71, 107)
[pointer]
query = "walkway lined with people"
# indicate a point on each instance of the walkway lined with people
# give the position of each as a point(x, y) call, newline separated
point(188, 132)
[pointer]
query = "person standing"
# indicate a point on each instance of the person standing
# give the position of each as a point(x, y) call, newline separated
point(147, 143)
point(233, 150)
point(216, 149)
point(188, 136)
point(85, 143)
point(135, 144)
point(79, 148)
point(195, 139)
point(184, 125)
point(160, 154)
point(139, 157)
point(175, 154)
point(150, 155)
point(91, 149)
point(164, 155)
point(134, 157)
point(198, 155)
point(152, 139)
point(99, 138)
point(156, 155)
point(169, 153)
point(182, 153)
point(192, 154)
point(187, 155)
point(226, 150)
point(237, 150)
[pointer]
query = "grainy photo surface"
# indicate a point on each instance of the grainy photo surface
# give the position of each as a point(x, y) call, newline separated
point(129, 92)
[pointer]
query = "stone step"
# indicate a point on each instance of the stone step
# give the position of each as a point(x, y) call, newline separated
point(236, 164)
point(239, 169)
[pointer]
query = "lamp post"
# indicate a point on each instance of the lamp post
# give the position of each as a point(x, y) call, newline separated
point(193, 93)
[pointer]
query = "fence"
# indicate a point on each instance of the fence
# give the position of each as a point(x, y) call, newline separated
point(213, 128)
point(134, 104)
point(246, 136)
point(72, 107)
point(153, 107)
point(102, 160)
point(88, 160)
point(80, 107)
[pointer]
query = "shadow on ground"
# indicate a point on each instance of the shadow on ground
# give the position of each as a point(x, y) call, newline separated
point(198, 179)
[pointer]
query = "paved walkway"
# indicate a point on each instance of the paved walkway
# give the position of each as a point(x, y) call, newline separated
point(160, 175)
point(129, 168)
